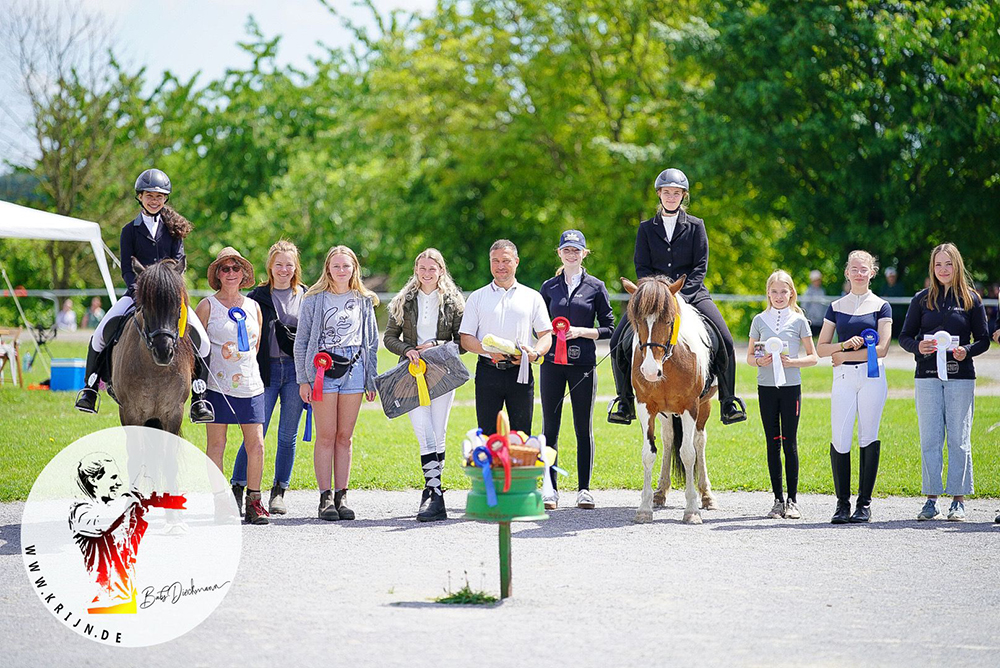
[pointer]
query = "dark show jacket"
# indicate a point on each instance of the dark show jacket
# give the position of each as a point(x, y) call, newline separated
point(589, 301)
point(262, 295)
point(952, 318)
point(685, 253)
point(136, 243)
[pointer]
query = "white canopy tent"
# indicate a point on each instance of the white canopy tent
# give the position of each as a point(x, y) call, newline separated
point(21, 222)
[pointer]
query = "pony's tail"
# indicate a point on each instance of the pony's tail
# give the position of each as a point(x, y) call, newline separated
point(676, 450)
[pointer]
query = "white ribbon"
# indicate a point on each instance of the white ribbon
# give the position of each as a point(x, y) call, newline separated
point(774, 346)
point(522, 374)
point(945, 342)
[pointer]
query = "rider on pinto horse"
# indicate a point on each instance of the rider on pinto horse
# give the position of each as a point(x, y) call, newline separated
point(673, 244)
point(157, 233)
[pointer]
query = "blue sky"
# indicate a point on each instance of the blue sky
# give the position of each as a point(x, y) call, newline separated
point(188, 36)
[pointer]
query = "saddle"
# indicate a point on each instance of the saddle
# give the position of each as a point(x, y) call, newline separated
point(113, 331)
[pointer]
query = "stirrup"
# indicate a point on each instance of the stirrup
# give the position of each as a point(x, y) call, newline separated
point(202, 411)
point(737, 411)
point(619, 416)
point(83, 402)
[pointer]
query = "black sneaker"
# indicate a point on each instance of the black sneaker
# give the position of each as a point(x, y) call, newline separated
point(734, 411)
point(88, 400)
point(624, 413)
point(432, 507)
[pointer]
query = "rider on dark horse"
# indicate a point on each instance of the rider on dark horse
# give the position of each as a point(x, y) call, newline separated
point(673, 243)
point(157, 233)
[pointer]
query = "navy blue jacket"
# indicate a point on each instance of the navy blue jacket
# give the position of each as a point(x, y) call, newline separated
point(589, 302)
point(136, 243)
point(685, 253)
point(952, 318)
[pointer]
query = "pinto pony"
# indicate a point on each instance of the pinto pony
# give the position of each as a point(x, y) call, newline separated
point(670, 362)
point(153, 361)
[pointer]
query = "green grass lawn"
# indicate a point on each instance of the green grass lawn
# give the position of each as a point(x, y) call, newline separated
point(34, 425)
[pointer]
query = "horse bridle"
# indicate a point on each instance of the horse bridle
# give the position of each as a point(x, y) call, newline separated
point(668, 348)
point(147, 336)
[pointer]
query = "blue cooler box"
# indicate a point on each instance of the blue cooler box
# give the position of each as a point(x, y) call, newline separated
point(67, 374)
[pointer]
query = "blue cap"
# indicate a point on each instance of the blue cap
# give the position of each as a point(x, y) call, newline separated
point(573, 238)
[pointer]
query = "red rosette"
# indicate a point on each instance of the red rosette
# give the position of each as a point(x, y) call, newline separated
point(561, 326)
point(498, 445)
point(322, 362)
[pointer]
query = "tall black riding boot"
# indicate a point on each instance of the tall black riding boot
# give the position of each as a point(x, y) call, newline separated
point(88, 400)
point(841, 464)
point(201, 408)
point(732, 408)
point(869, 457)
point(621, 410)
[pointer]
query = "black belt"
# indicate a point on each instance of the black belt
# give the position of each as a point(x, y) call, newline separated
point(503, 365)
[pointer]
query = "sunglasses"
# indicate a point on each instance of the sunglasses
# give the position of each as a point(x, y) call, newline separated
point(230, 269)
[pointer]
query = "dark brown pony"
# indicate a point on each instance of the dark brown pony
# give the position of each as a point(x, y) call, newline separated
point(152, 366)
point(670, 360)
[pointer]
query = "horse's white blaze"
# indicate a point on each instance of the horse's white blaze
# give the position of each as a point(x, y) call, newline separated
point(688, 458)
point(650, 368)
point(694, 335)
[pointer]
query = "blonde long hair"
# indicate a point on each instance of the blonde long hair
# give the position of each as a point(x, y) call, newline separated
point(325, 282)
point(783, 276)
point(445, 285)
point(960, 283)
point(282, 246)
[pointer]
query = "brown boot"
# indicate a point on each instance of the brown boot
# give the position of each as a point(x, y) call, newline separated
point(327, 511)
point(276, 505)
point(255, 513)
point(338, 501)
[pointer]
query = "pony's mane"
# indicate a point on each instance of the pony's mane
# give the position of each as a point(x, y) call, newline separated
point(652, 297)
point(159, 287)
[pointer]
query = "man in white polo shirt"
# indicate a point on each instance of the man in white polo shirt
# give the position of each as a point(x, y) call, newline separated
point(511, 311)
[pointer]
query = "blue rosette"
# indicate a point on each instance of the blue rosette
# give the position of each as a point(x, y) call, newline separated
point(870, 337)
point(239, 316)
point(483, 458)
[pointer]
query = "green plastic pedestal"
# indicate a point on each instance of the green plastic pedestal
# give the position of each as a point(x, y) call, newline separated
point(522, 502)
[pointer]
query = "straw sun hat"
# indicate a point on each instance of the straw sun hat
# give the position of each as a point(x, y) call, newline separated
point(229, 253)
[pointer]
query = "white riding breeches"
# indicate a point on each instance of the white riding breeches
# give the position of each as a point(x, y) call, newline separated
point(123, 305)
point(855, 395)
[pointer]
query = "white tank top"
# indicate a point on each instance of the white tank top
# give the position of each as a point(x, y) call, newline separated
point(235, 373)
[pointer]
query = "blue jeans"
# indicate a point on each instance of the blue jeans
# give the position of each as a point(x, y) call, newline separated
point(282, 384)
point(945, 408)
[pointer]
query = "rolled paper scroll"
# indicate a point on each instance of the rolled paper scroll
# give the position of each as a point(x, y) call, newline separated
point(497, 445)
point(773, 346)
point(322, 362)
point(561, 326)
point(308, 435)
point(482, 458)
point(870, 337)
point(239, 316)
point(417, 371)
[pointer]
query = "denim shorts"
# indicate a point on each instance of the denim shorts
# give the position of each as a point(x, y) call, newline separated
point(352, 382)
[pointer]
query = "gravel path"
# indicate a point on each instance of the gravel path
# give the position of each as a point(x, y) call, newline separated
point(590, 589)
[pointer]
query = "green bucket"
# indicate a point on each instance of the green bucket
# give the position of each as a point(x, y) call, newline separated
point(523, 502)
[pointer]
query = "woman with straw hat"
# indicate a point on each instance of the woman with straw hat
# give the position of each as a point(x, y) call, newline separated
point(235, 386)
